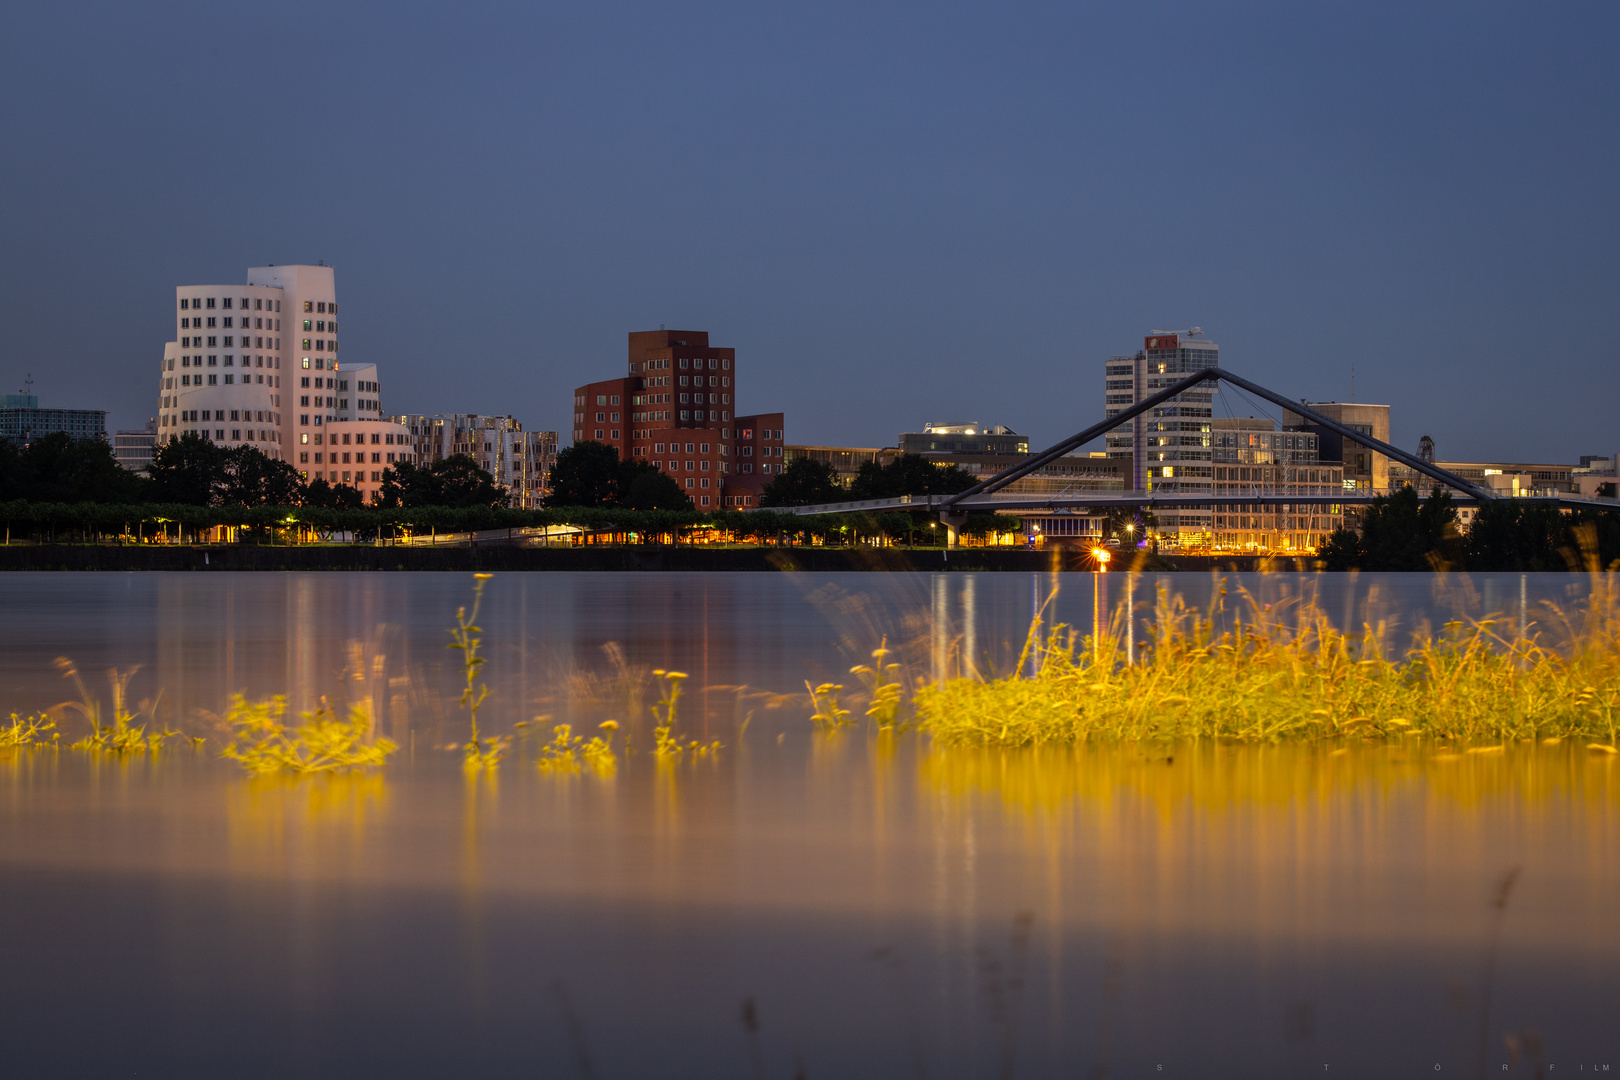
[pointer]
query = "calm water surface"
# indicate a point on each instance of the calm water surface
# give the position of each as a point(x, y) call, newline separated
point(832, 906)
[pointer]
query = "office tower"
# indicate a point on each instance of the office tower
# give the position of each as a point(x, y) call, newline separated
point(1169, 446)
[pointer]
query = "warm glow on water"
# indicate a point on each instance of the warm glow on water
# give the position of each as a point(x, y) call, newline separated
point(890, 908)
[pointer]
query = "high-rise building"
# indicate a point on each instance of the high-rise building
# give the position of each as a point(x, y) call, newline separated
point(676, 408)
point(1169, 447)
point(234, 344)
point(22, 420)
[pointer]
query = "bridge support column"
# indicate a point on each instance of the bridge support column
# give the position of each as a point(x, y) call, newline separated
point(952, 523)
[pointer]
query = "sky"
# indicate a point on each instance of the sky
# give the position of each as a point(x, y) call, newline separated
point(895, 213)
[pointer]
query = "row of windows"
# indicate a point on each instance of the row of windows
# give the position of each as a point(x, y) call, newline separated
point(258, 324)
point(230, 380)
point(321, 345)
point(321, 306)
point(230, 361)
point(713, 399)
point(197, 303)
point(602, 399)
point(258, 416)
point(365, 386)
point(213, 342)
point(320, 364)
point(321, 325)
point(359, 458)
point(377, 439)
point(685, 364)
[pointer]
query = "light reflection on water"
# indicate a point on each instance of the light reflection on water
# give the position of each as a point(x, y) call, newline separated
point(890, 910)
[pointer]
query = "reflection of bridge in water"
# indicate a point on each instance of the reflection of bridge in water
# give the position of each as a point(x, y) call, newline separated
point(983, 497)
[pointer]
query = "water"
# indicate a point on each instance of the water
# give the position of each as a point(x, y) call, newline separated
point(846, 906)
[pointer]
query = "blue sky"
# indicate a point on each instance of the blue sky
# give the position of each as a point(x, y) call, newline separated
point(894, 212)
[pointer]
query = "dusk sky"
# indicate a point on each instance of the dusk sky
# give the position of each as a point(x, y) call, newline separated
point(895, 213)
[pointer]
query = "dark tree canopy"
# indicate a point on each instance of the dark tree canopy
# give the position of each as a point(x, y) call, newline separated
point(804, 483)
point(586, 474)
point(325, 496)
point(455, 481)
point(1399, 532)
point(251, 478)
point(60, 468)
point(908, 474)
point(644, 486)
point(189, 470)
point(590, 473)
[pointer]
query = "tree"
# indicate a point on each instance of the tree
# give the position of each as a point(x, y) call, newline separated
point(1508, 534)
point(59, 468)
point(908, 474)
point(324, 496)
point(455, 481)
point(586, 474)
point(253, 478)
point(1400, 532)
point(645, 486)
point(804, 483)
point(188, 470)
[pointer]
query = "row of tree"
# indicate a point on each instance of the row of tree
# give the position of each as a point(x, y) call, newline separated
point(1403, 532)
point(193, 471)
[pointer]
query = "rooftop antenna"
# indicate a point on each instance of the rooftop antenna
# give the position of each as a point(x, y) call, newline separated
point(28, 383)
point(1352, 382)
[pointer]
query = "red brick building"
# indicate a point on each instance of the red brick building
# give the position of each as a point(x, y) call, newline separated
point(675, 408)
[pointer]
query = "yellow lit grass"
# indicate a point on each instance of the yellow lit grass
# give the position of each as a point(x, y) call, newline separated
point(117, 734)
point(667, 745)
point(28, 734)
point(1283, 672)
point(322, 743)
point(466, 638)
point(569, 753)
point(882, 681)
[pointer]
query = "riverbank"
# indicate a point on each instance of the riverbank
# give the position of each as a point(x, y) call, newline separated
point(502, 557)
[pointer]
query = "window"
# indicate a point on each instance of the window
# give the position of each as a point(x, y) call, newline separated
point(212, 379)
point(184, 304)
point(210, 304)
point(309, 305)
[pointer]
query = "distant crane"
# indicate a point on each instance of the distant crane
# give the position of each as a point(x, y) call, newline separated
point(1426, 449)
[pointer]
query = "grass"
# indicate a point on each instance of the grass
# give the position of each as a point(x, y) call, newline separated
point(117, 734)
point(29, 734)
point(323, 743)
point(1243, 671)
point(466, 637)
point(666, 744)
point(569, 753)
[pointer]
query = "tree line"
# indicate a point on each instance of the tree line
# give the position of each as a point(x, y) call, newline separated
point(193, 471)
point(1400, 532)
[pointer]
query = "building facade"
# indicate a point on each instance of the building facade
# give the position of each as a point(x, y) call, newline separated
point(1364, 468)
point(1168, 447)
point(133, 449)
point(234, 344)
point(519, 460)
point(1254, 456)
point(22, 420)
point(676, 407)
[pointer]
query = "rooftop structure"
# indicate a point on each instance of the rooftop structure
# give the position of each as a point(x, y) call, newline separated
point(966, 438)
point(133, 449)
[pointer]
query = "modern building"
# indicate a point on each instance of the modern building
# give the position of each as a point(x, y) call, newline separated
point(354, 452)
point(1364, 467)
point(1506, 479)
point(519, 460)
point(1597, 477)
point(222, 374)
point(133, 449)
point(966, 438)
point(1253, 455)
point(1168, 448)
point(359, 393)
point(22, 420)
point(845, 461)
point(676, 407)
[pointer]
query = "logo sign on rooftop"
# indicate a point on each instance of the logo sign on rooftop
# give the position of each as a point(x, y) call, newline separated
point(1162, 341)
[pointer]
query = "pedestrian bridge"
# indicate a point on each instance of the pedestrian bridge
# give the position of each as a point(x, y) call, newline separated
point(989, 495)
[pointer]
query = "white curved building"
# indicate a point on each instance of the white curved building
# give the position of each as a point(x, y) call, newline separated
point(234, 344)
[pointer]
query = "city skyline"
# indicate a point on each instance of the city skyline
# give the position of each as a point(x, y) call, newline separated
point(938, 213)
